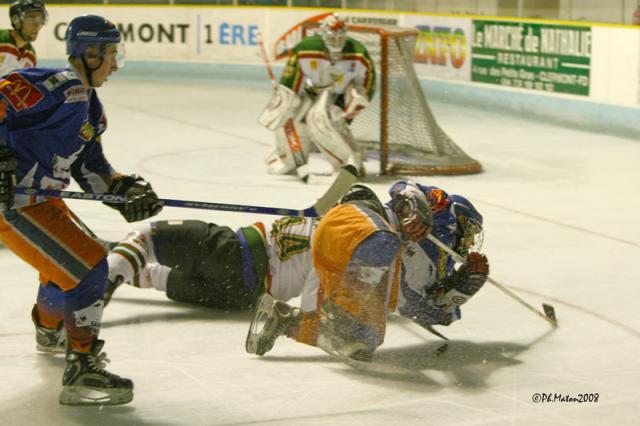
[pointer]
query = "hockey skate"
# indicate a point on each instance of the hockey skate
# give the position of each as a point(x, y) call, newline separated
point(53, 340)
point(271, 320)
point(85, 382)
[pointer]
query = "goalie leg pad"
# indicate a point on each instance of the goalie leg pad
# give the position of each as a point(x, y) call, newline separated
point(355, 101)
point(281, 161)
point(280, 108)
point(332, 136)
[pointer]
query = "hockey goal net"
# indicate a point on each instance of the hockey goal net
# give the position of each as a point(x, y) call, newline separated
point(399, 123)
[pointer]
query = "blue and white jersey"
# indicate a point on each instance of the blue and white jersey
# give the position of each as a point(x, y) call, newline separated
point(53, 124)
point(424, 265)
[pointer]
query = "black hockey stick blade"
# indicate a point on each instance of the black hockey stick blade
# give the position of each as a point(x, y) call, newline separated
point(430, 329)
point(368, 367)
point(436, 332)
point(550, 312)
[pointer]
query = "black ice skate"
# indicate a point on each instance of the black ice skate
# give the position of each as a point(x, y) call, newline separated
point(85, 382)
point(271, 320)
point(53, 340)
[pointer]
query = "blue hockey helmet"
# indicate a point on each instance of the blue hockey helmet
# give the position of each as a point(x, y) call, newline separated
point(19, 8)
point(469, 232)
point(90, 30)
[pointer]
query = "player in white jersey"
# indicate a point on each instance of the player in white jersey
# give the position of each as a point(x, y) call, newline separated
point(327, 81)
point(27, 18)
point(206, 264)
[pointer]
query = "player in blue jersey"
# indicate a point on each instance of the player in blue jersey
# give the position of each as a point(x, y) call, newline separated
point(51, 122)
point(211, 265)
point(432, 290)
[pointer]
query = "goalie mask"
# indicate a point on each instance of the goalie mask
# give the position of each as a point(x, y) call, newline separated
point(469, 232)
point(334, 34)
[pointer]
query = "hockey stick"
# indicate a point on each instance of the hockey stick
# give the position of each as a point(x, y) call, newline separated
point(342, 183)
point(430, 329)
point(368, 367)
point(293, 140)
point(425, 326)
point(549, 314)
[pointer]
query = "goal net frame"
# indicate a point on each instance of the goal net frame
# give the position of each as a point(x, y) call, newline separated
point(420, 146)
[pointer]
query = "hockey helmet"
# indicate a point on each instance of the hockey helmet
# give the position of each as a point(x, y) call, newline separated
point(88, 31)
point(334, 34)
point(469, 231)
point(20, 8)
point(364, 196)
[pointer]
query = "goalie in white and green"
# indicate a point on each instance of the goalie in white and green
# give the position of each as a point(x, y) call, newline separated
point(327, 81)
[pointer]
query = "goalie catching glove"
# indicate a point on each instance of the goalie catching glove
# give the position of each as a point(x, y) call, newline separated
point(141, 201)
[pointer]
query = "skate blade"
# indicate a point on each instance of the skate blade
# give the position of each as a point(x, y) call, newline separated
point(83, 395)
point(258, 322)
point(51, 349)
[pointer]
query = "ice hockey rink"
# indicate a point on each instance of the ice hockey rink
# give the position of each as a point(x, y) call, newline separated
point(561, 227)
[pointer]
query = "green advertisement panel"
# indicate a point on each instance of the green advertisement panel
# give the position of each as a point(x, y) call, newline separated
point(546, 57)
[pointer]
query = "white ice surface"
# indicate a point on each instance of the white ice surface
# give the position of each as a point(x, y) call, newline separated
point(560, 209)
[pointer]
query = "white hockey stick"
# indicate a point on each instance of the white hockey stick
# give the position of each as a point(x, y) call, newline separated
point(549, 314)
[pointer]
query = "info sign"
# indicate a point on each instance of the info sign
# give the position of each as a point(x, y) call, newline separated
point(536, 56)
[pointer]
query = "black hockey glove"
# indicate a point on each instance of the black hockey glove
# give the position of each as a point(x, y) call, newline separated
point(141, 200)
point(414, 215)
point(8, 165)
point(473, 274)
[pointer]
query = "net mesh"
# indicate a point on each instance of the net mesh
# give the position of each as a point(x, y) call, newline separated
point(399, 123)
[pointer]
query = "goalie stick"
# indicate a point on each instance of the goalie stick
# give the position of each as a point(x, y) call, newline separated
point(549, 314)
point(342, 183)
point(293, 140)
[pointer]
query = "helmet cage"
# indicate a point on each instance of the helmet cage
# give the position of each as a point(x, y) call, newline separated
point(469, 236)
point(334, 34)
point(469, 231)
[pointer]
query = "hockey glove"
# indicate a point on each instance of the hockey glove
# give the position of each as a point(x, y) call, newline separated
point(477, 270)
point(141, 200)
point(8, 165)
point(414, 215)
